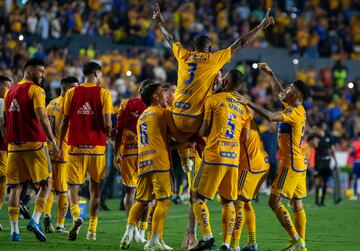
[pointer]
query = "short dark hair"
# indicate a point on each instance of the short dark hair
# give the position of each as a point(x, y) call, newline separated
point(91, 67)
point(34, 62)
point(167, 85)
point(237, 78)
point(201, 42)
point(145, 83)
point(303, 88)
point(4, 79)
point(69, 80)
point(148, 91)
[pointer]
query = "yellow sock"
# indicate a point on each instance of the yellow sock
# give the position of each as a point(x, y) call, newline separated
point(2, 190)
point(150, 216)
point(40, 204)
point(13, 213)
point(135, 213)
point(93, 224)
point(250, 222)
point(159, 216)
point(284, 218)
point(202, 216)
point(300, 223)
point(49, 203)
point(228, 220)
point(75, 211)
point(63, 204)
point(239, 223)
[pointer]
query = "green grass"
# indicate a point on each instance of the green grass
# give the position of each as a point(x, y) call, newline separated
point(330, 228)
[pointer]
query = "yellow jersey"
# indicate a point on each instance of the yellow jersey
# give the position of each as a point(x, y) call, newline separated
point(55, 115)
point(253, 156)
point(228, 117)
point(290, 137)
point(153, 148)
point(196, 75)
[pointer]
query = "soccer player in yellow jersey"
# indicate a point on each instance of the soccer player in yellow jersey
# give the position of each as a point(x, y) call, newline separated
point(87, 113)
point(27, 131)
point(59, 168)
point(5, 83)
point(197, 70)
point(224, 123)
point(153, 129)
point(253, 171)
point(290, 182)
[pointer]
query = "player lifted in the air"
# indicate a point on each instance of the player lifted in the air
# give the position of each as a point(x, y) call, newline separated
point(59, 167)
point(290, 182)
point(224, 123)
point(197, 69)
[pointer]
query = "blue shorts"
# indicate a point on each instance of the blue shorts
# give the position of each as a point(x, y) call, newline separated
point(356, 169)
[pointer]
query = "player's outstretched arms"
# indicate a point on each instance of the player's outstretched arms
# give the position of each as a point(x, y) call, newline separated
point(275, 83)
point(249, 37)
point(45, 125)
point(159, 20)
point(266, 114)
point(174, 132)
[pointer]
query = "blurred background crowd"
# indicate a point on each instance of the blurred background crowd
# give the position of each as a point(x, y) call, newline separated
point(313, 29)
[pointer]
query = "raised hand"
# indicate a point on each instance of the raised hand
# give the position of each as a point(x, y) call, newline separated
point(265, 68)
point(267, 20)
point(157, 15)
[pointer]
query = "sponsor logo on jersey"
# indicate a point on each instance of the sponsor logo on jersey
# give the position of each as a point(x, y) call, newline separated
point(86, 109)
point(14, 106)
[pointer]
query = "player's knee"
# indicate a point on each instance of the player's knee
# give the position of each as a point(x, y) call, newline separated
point(296, 205)
point(248, 206)
point(274, 201)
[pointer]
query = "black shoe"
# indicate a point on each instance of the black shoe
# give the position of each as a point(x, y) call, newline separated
point(224, 248)
point(48, 226)
point(205, 245)
point(337, 201)
point(24, 211)
point(104, 207)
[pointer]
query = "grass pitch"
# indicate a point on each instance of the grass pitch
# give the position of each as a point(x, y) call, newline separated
point(331, 228)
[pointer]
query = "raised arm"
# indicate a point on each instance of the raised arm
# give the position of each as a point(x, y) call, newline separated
point(159, 20)
point(275, 83)
point(251, 35)
point(266, 114)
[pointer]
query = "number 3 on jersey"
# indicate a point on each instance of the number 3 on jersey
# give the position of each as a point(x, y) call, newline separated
point(192, 73)
point(144, 138)
point(230, 133)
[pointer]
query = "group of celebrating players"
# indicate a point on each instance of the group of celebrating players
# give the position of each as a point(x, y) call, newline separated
point(206, 116)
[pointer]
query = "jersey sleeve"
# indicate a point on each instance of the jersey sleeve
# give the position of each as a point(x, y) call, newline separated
point(37, 94)
point(106, 102)
point(120, 115)
point(209, 106)
point(289, 115)
point(221, 57)
point(178, 50)
point(67, 101)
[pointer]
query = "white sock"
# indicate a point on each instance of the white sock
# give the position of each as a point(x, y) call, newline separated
point(129, 229)
point(208, 237)
point(226, 244)
point(14, 224)
point(296, 237)
point(142, 233)
point(61, 225)
point(155, 237)
point(36, 217)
